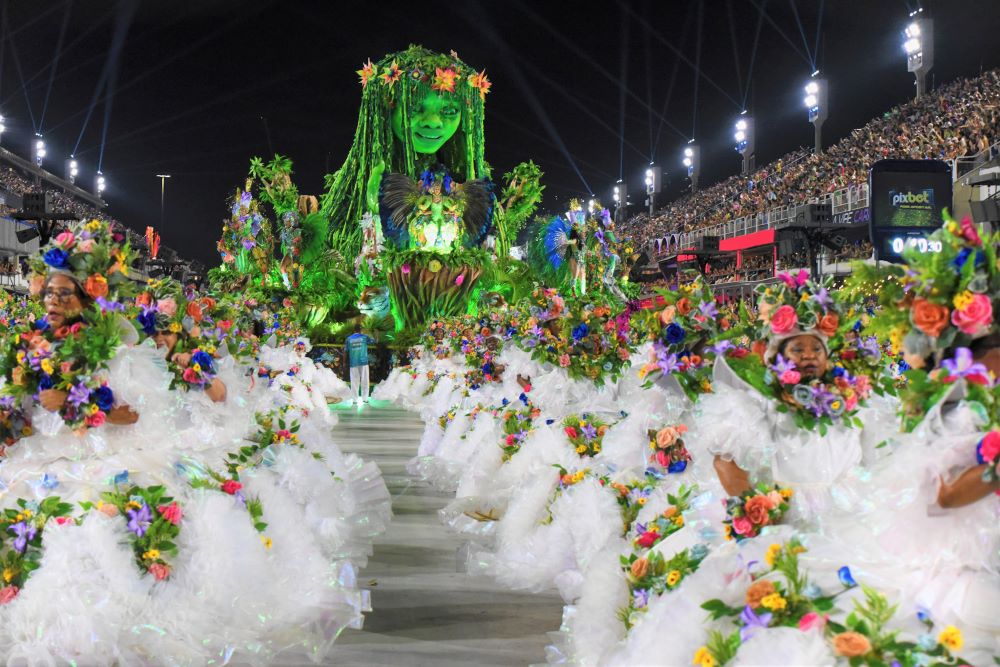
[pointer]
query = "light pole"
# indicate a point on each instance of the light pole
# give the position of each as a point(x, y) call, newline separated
point(744, 136)
point(816, 103)
point(100, 184)
point(619, 197)
point(39, 150)
point(163, 191)
point(72, 169)
point(652, 185)
point(918, 44)
point(692, 160)
point(3, 126)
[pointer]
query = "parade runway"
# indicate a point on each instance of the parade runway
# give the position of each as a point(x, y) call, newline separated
point(427, 611)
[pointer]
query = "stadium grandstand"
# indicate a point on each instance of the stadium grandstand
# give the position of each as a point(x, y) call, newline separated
point(19, 236)
point(738, 222)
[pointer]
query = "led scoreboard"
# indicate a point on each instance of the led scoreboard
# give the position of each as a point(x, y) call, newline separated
point(907, 199)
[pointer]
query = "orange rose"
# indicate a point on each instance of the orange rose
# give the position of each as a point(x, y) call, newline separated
point(929, 317)
point(640, 568)
point(667, 315)
point(759, 590)
point(207, 302)
point(759, 347)
point(684, 306)
point(144, 299)
point(194, 310)
point(96, 286)
point(851, 644)
point(757, 509)
point(828, 324)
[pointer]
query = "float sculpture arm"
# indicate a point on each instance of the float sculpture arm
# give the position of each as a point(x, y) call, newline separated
point(374, 184)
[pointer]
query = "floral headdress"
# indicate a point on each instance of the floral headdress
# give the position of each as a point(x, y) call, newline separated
point(796, 306)
point(940, 300)
point(93, 255)
point(164, 305)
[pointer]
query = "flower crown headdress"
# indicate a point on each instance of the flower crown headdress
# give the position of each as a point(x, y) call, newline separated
point(796, 306)
point(165, 305)
point(445, 74)
point(93, 255)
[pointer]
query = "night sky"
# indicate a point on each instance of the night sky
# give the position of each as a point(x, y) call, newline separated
point(199, 87)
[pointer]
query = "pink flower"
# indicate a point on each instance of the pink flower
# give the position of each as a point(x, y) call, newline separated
point(970, 233)
point(66, 240)
point(87, 245)
point(167, 306)
point(989, 448)
point(742, 526)
point(862, 384)
point(564, 360)
point(171, 513)
point(75, 327)
point(527, 388)
point(662, 458)
point(570, 432)
point(647, 539)
point(810, 621)
point(405, 269)
point(96, 419)
point(790, 377)
point(190, 376)
point(976, 317)
point(460, 279)
point(784, 320)
point(510, 439)
point(8, 593)
point(231, 486)
point(159, 571)
point(65, 367)
point(63, 520)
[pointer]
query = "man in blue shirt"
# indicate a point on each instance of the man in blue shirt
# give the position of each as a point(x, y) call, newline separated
point(357, 352)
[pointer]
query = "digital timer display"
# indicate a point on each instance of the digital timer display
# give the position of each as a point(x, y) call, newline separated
point(895, 245)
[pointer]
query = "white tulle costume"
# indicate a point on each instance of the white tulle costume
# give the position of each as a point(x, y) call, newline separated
point(234, 591)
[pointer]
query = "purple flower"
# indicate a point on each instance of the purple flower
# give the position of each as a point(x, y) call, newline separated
point(589, 432)
point(961, 365)
point(782, 365)
point(25, 533)
point(822, 297)
point(640, 598)
point(78, 395)
point(139, 520)
point(751, 622)
point(708, 309)
point(720, 348)
point(249, 244)
point(109, 306)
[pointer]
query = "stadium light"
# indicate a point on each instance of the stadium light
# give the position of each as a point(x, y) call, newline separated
point(39, 150)
point(3, 125)
point(101, 183)
point(653, 177)
point(620, 196)
point(591, 205)
point(918, 45)
point(692, 161)
point(815, 101)
point(72, 169)
point(744, 136)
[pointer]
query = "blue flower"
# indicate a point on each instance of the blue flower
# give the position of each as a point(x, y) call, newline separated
point(523, 398)
point(839, 371)
point(41, 324)
point(844, 574)
point(580, 331)
point(147, 320)
point(56, 258)
point(45, 382)
point(104, 397)
point(961, 258)
point(675, 334)
point(677, 466)
point(121, 478)
point(203, 359)
point(49, 481)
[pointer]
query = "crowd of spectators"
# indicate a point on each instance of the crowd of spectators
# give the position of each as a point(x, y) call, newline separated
point(17, 183)
point(959, 119)
point(861, 249)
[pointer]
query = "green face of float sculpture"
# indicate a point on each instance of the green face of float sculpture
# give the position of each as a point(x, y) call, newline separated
point(433, 121)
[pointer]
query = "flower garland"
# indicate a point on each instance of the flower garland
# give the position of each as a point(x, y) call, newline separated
point(668, 450)
point(923, 390)
point(21, 545)
point(68, 359)
point(516, 425)
point(586, 433)
point(819, 403)
point(153, 522)
point(750, 511)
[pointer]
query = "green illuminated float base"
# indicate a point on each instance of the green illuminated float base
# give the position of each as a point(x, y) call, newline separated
point(427, 289)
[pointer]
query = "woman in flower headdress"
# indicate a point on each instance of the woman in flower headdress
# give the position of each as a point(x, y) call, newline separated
point(939, 544)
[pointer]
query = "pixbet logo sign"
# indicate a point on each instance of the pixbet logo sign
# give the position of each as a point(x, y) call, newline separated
point(924, 199)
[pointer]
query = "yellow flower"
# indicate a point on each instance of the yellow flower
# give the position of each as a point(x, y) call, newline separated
point(703, 658)
point(93, 225)
point(772, 553)
point(8, 574)
point(673, 577)
point(729, 532)
point(175, 327)
point(597, 449)
point(26, 431)
point(963, 300)
point(774, 601)
point(951, 638)
point(580, 449)
point(267, 541)
point(196, 368)
point(47, 367)
point(21, 357)
point(152, 554)
point(130, 505)
point(785, 493)
point(641, 501)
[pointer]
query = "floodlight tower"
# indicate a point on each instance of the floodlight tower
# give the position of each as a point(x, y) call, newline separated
point(3, 126)
point(653, 177)
point(619, 196)
point(815, 102)
point(692, 161)
point(72, 169)
point(39, 149)
point(745, 141)
point(100, 184)
point(918, 44)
